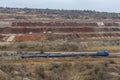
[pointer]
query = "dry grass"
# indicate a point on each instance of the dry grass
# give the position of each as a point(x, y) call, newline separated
point(61, 45)
point(84, 68)
point(110, 48)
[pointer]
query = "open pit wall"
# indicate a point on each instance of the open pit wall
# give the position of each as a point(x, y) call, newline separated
point(21, 30)
point(53, 23)
point(108, 30)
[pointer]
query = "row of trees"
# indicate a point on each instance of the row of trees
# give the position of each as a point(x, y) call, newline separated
point(69, 14)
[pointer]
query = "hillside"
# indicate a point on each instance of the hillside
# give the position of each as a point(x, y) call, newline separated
point(60, 30)
point(24, 30)
point(65, 14)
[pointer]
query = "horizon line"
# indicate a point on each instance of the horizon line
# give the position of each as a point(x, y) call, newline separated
point(60, 9)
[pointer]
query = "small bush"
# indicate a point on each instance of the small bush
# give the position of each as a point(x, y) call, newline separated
point(3, 47)
point(22, 46)
point(6, 68)
point(68, 47)
point(40, 73)
point(111, 61)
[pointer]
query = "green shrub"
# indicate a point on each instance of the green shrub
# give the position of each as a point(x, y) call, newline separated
point(22, 46)
point(111, 61)
point(68, 47)
point(6, 68)
point(3, 47)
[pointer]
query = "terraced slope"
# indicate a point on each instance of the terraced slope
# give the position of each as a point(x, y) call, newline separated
point(110, 30)
point(87, 33)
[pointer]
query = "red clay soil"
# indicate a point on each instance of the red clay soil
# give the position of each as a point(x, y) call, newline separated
point(111, 24)
point(9, 30)
point(40, 37)
point(41, 30)
point(50, 23)
point(1, 36)
point(31, 37)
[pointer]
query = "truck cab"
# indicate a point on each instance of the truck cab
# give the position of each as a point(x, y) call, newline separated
point(103, 53)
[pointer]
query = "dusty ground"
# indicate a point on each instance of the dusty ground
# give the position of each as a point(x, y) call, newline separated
point(84, 68)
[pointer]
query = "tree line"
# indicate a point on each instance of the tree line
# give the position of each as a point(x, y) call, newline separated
point(66, 14)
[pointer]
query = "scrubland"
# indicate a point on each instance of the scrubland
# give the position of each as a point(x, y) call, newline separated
point(79, 68)
point(60, 46)
point(64, 31)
